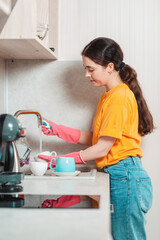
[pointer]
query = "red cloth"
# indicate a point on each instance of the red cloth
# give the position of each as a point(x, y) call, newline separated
point(62, 202)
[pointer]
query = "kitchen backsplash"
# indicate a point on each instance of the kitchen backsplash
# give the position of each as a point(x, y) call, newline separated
point(59, 91)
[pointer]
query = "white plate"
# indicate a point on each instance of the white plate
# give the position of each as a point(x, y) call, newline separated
point(66, 173)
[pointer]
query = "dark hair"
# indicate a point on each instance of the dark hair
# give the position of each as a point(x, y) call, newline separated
point(103, 51)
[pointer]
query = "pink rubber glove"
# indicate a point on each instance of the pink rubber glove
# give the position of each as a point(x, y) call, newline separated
point(66, 133)
point(62, 202)
point(76, 155)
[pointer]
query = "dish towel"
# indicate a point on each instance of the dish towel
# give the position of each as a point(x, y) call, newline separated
point(62, 202)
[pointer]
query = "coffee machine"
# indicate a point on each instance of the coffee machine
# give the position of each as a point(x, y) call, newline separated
point(10, 175)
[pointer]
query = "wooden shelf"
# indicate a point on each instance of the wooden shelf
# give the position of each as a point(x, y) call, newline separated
point(25, 49)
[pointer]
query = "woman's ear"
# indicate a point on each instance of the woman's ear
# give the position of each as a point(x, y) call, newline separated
point(110, 67)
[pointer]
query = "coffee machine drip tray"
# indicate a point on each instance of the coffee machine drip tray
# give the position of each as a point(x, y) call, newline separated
point(10, 188)
point(9, 182)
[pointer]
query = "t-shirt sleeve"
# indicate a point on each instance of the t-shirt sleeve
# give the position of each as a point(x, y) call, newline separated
point(113, 121)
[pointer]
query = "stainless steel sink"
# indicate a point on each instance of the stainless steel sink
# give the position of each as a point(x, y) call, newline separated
point(83, 168)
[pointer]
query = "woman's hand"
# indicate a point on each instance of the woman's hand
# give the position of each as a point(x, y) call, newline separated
point(76, 155)
point(68, 134)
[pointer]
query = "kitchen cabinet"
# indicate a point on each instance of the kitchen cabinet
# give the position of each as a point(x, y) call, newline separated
point(21, 36)
point(5, 8)
point(60, 224)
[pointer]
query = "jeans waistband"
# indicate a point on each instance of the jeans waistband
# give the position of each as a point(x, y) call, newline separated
point(130, 160)
point(134, 160)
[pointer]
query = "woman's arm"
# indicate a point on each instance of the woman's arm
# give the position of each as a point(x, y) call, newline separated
point(68, 134)
point(86, 138)
point(100, 149)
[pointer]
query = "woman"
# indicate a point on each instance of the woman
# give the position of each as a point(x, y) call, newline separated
point(122, 118)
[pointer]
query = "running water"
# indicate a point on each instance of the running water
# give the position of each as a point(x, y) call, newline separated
point(40, 139)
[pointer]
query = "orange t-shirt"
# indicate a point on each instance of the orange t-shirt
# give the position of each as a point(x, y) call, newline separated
point(117, 116)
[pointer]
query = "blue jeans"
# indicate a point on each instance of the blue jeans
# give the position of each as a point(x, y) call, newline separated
point(131, 196)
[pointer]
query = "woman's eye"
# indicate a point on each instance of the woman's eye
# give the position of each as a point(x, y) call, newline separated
point(90, 70)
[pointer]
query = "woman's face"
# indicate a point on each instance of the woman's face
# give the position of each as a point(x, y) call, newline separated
point(97, 74)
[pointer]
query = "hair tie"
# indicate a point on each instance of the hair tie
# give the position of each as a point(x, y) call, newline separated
point(122, 65)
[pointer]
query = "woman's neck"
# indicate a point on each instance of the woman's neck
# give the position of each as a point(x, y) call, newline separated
point(114, 81)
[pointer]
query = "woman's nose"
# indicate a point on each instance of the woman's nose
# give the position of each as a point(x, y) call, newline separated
point(87, 74)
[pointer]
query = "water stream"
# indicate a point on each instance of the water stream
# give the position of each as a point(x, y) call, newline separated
point(40, 139)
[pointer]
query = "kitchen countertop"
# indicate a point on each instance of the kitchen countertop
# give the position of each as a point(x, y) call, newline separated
point(60, 224)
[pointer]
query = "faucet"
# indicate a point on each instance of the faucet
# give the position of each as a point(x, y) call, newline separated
point(30, 112)
point(39, 125)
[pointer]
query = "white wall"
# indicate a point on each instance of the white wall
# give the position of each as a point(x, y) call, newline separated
point(60, 92)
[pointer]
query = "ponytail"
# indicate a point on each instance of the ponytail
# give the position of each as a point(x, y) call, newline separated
point(129, 77)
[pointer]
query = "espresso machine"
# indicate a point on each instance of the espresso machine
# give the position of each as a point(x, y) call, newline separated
point(10, 175)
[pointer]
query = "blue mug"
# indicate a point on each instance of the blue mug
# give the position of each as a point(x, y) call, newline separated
point(64, 164)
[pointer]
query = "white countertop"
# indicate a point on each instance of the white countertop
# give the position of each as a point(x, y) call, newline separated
point(60, 224)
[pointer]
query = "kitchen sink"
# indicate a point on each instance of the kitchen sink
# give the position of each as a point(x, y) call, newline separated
point(83, 168)
point(82, 173)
